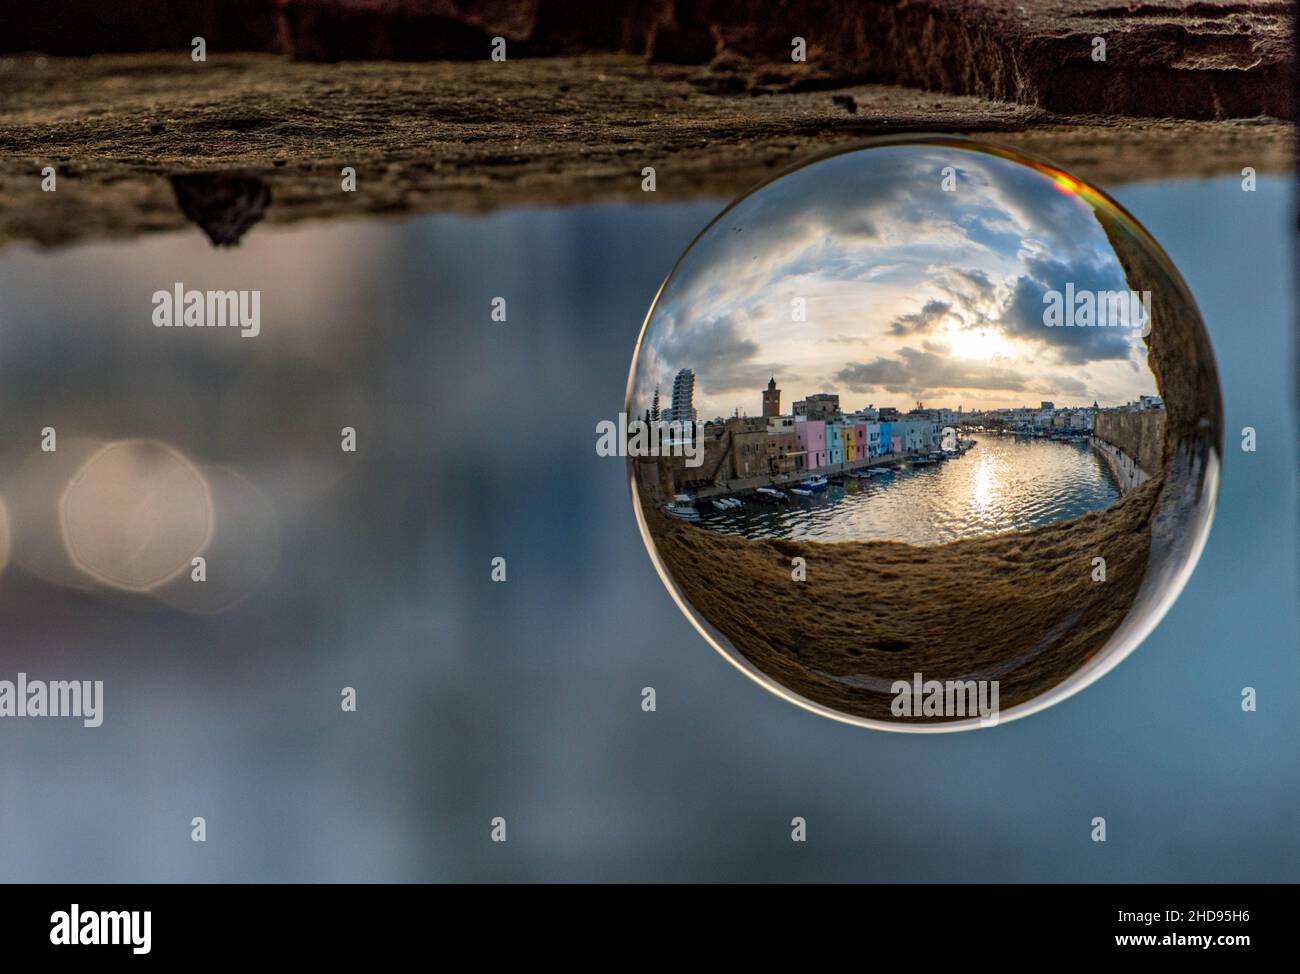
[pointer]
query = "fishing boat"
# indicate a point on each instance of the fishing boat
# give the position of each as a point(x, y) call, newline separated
point(812, 485)
point(682, 507)
point(681, 512)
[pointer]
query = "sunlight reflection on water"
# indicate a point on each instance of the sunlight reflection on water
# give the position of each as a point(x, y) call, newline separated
point(1003, 484)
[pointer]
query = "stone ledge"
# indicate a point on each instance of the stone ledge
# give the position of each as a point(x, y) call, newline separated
point(480, 135)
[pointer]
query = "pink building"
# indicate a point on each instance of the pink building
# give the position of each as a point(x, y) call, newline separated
point(810, 434)
point(860, 444)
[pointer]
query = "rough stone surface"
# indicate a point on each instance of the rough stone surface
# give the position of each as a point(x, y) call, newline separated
point(1177, 58)
point(480, 135)
point(1019, 608)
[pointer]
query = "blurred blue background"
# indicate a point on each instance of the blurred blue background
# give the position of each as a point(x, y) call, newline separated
point(522, 699)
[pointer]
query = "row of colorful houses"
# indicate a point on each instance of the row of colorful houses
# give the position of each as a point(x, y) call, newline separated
point(822, 443)
point(745, 447)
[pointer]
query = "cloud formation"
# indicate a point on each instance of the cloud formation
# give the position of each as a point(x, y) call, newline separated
point(858, 274)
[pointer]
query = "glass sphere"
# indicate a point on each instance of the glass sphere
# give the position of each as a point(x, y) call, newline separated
point(924, 435)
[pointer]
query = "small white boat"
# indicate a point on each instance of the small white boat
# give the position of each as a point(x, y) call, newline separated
point(682, 508)
point(771, 494)
point(801, 491)
point(682, 512)
point(720, 504)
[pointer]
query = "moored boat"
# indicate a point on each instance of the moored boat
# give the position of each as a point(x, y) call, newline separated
point(681, 512)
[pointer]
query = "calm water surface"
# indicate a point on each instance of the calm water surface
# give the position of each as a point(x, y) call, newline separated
point(1005, 483)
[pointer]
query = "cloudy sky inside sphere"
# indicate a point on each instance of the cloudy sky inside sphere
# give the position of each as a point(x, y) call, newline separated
point(911, 293)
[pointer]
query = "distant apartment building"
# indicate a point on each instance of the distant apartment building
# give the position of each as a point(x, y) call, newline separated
point(682, 409)
point(822, 406)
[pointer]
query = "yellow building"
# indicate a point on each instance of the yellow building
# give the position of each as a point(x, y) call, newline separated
point(848, 434)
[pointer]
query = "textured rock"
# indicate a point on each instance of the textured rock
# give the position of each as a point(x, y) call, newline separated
point(422, 30)
point(1019, 608)
point(1176, 58)
point(479, 135)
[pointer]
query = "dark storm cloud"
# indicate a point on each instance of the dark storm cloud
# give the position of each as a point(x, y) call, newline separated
point(1022, 316)
point(921, 321)
point(919, 372)
point(722, 358)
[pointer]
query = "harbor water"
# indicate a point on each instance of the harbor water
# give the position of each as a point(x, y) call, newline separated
point(1004, 483)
